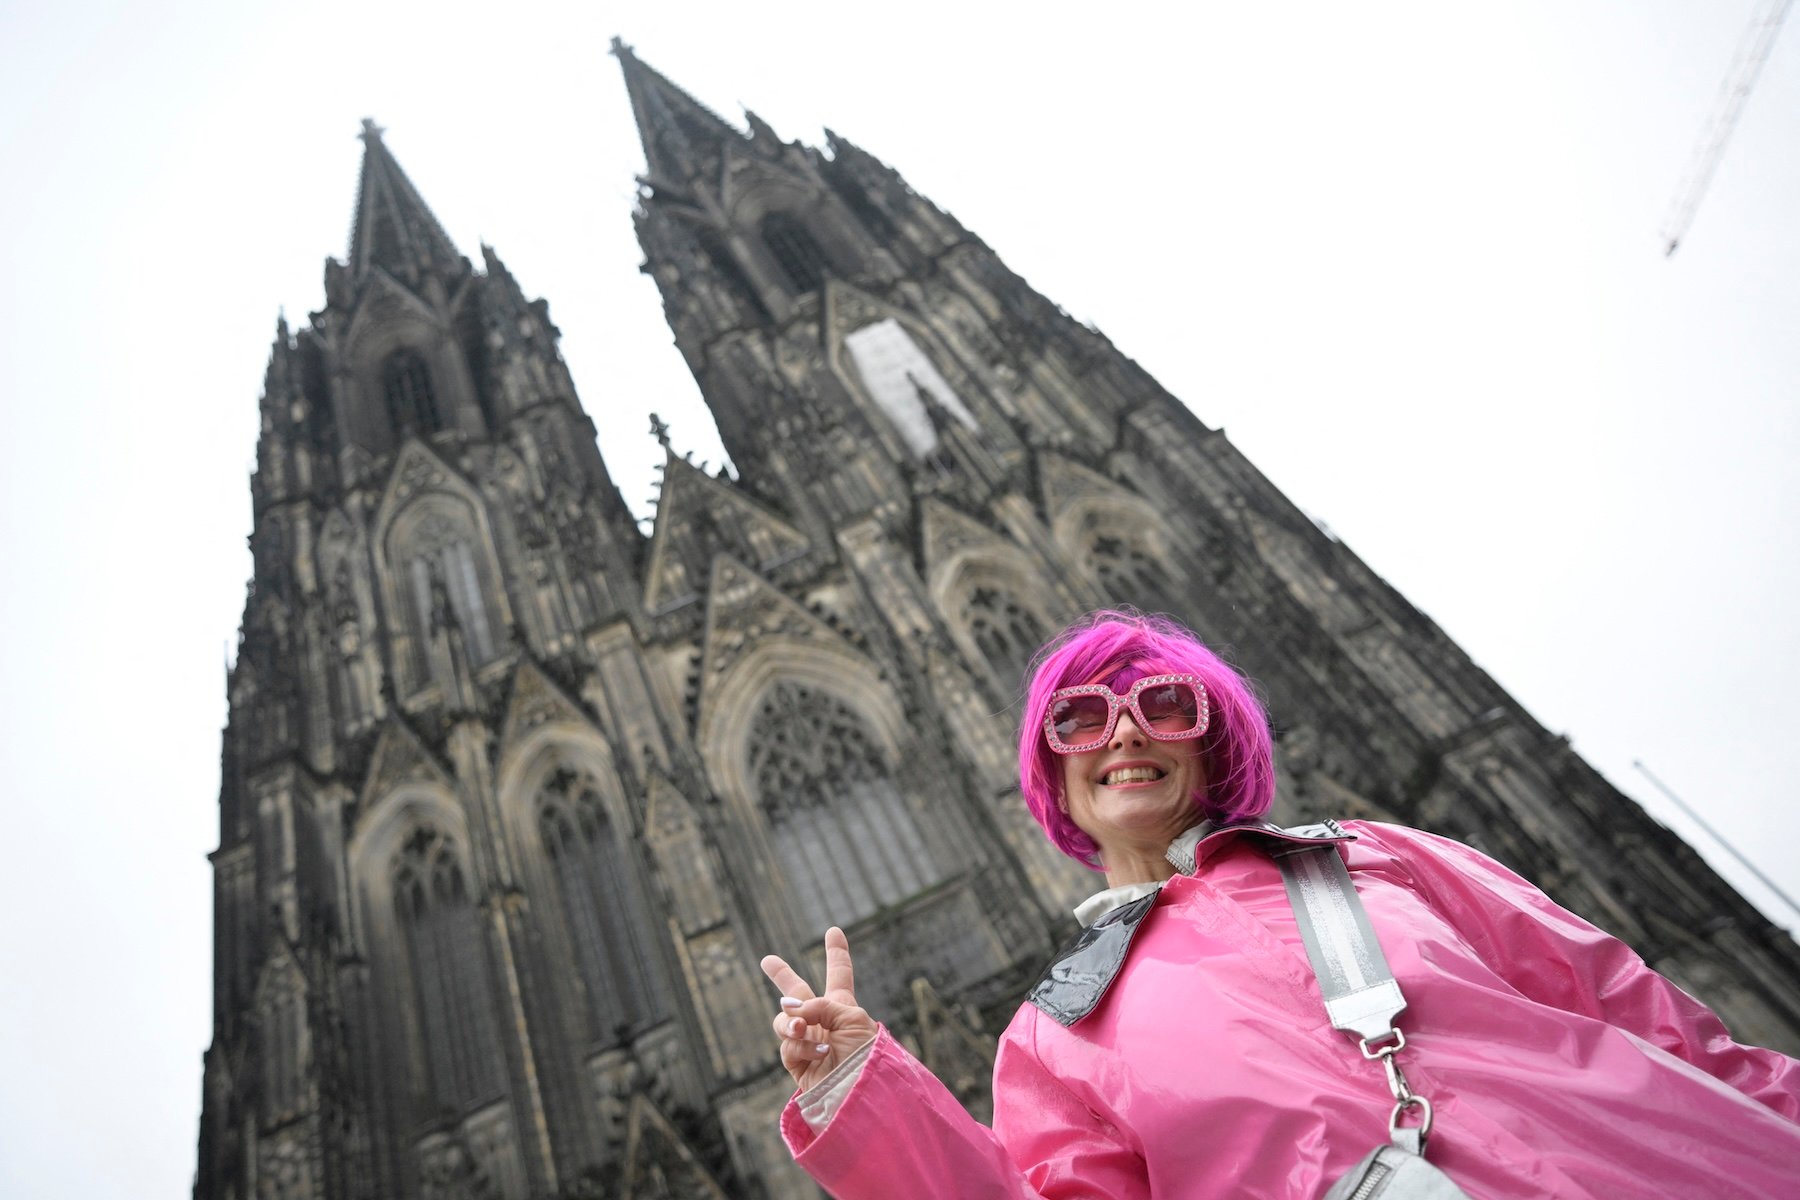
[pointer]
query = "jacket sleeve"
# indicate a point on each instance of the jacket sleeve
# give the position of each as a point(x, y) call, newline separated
point(1554, 957)
point(901, 1134)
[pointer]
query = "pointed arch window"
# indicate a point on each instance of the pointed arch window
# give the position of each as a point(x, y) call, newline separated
point(1004, 631)
point(844, 835)
point(406, 389)
point(801, 259)
point(720, 257)
point(1128, 573)
point(447, 963)
point(603, 905)
point(444, 580)
point(387, 241)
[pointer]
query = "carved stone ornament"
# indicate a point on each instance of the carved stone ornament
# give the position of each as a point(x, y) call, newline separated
point(955, 1053)
point(668, 817)
point(852, 308)
point(399, 758)
point(1067, 483)
point(386, 305)
point(536, 701)
point(746, 610)
point(797, 356)
point(659, 1163)
point(505, 470)
point(947, 531)
point(338, 530)
point(281, 1171)
point(417, 471)
point(447, 1171)
point(699, 517)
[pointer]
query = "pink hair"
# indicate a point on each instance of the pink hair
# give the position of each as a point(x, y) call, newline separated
point(1239, 758)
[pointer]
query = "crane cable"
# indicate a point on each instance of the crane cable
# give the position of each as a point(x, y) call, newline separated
point(1752, 52)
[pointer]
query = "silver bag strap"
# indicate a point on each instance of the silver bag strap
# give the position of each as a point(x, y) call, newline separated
point(1361, 995)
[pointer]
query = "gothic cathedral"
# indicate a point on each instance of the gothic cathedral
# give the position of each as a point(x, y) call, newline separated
point(514, 796)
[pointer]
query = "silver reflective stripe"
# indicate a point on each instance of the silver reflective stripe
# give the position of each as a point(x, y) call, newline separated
point(1361, 995)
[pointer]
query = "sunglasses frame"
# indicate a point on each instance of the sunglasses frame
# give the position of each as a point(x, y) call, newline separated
point(1116, 703)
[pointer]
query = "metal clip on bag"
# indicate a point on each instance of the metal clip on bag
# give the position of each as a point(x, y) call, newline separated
point(1362, 999)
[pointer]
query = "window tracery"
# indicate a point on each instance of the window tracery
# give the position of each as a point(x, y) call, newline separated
point(406, 389)
point(1005, 632)
point(440, 559)
point(387, 241)
point(607, 918)
point(449, 971)
point(1128, 573)
point(801, 259)
point(840, 828)
point(718, 256)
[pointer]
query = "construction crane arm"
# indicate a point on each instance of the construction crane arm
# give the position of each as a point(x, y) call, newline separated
point(1752, 52)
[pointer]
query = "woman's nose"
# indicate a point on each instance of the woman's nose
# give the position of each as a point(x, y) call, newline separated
point(1126, 732)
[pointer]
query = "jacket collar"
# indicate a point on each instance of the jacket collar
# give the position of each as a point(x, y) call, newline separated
point(1195, 846)
point(1187, 852)
point(1101, 903)
point(1076, 981)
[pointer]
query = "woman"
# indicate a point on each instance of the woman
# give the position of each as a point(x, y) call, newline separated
point(1202, 1066)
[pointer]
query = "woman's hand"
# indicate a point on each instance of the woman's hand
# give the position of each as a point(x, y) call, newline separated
point(819, 1032)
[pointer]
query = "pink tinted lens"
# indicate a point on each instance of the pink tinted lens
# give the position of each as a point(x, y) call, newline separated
point(1078, 720)
point(1170, 707)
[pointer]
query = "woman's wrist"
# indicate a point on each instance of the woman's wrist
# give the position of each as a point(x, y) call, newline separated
point(820, 1102)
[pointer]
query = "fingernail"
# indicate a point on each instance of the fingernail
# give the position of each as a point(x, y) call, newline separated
point(823, 1048)
point(790, 1002)
point(796, 1026)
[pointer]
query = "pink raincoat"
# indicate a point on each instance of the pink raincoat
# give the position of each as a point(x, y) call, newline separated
point(1559, 1064)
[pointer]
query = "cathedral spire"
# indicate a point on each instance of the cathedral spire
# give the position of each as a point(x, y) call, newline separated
point(393, 228)
point(682, 137)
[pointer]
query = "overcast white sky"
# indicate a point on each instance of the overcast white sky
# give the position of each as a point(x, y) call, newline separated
point(1405, 254)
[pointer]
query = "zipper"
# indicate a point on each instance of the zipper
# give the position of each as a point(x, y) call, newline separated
point(1372, 1181)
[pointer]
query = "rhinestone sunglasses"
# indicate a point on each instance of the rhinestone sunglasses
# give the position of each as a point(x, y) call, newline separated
point(1168, 708)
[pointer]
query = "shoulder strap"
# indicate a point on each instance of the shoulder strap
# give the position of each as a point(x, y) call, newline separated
point(1362, 997)
point(1361, 994)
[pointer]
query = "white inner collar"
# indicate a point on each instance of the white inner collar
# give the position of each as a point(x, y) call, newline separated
point(1180, 855)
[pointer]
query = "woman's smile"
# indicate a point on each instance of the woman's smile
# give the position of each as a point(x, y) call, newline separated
point(1133, 775)
point(1134, 796)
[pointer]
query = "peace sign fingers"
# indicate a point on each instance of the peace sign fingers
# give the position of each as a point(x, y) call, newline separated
point(840, 978)
point(787, 981)
point(818, 1032)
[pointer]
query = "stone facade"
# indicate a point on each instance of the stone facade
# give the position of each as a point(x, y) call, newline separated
point(513, 795)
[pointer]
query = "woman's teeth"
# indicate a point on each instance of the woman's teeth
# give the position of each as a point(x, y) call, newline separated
point(1132, 775)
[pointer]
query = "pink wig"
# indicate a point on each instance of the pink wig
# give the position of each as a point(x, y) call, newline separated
point(1115, 648)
